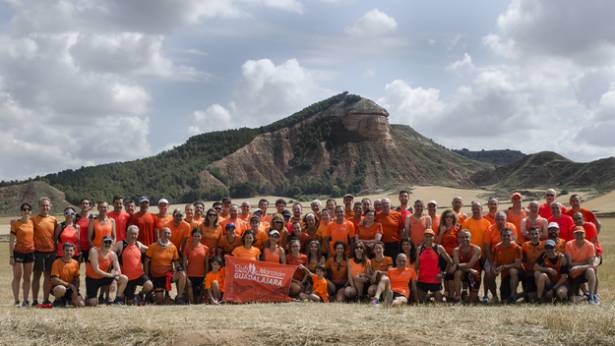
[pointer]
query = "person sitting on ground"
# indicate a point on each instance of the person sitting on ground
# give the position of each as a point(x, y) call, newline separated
point(532, 250)
point(431, 266)
point(359, 272)
point(65, 278)
point(581, 254)
point(214, 281)
point(380, 265)
point(507, 257)
point(398, 284)
point(130, 253)
point(466, 258)
point(551, 274)
point(337, 272)
point(319, 292)
point(103, 269)
point(162, 265)
point(247, 251)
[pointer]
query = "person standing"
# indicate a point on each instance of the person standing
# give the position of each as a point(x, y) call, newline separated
point(21, 249)
point(45, 246)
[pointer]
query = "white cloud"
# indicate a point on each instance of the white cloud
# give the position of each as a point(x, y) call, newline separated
point(461, 65)
point(373, 23)
point(266, 92)
point(410, 105)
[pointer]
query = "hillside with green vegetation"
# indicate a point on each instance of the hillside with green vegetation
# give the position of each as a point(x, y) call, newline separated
point(496, 157)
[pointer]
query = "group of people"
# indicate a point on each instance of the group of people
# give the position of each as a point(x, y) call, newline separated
point(359, 251)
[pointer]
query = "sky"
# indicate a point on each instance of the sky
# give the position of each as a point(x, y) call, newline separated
point(85, 82)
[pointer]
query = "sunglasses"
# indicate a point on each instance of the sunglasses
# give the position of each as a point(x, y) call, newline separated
point(274, 236)
point(108, 242)
point(69, 213)
point(26, 209)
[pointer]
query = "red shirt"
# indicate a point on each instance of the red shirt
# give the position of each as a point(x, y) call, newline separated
point(566, 225)
point(591, 234)
point(121, 220)
point(545, 210)
point(146, 223)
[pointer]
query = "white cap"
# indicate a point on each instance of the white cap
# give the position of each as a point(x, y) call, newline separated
point(553, 225)
point(163, 201)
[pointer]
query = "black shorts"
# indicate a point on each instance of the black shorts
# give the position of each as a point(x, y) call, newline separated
point(529, 283)
point(159, 282)
point(92, 286)
point(398, 295)
point(21, 257)
point(197, 285)
point(43, 261)
point(69, 293)
point(473, 281)
point(505, 285)
point(392, 250)
point(84, 256)
point(428, 287)
point(131, 286)
point(575, 283)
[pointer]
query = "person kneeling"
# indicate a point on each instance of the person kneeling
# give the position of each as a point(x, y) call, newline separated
point(320, 292)
point(214, 281)
point(507, 257)
point(163, 268)
point(65, 279)
point(551, 274)
point(103, 269)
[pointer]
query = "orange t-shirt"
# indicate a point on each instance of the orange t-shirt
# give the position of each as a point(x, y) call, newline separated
point(240, 225)
point(506, 255)
point(449, 239)
point(24, 236)
point(478, 229)
point(68, 272)
point(492, 237)
point(161, 258)
point(369, 233)
point(531, 253)
point(391, 226)
point(271, 256)
point(580, 254)
point(515, 219)
point(44, 231)
point(461, 217)
point(383, 265)
point(435, 222)
point(253, 253)
point(196, 260)
point(215, 276)
point(490, 217)
point(340, 232)
point(338, 272)
point(227, 245)
point(211, 237)
point(319, 287)
point(358, 268)
point(163, 221)
point(400, 279)
point(145, 222)
point(102, 230)
point(588, 215)
point(179, 233)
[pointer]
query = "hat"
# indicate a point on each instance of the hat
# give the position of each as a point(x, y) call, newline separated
point(578, 229)
point(348, 195)
point(274, 231)
point(107, 238)
point(230, 226)
point(429, 231)
point(286, 213)
point(553, 225)
point(515, 195)
point(550, 243)
point(432, 202)
point(143, 199)
point(163, 200)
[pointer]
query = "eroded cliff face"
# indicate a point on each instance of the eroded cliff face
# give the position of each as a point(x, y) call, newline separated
point(349, 143)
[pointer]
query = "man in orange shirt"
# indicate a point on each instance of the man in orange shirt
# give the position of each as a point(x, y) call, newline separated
point(233, 217)
point(65, 279)
point(491, 239)
point(507, 256)
point(581, 254)
point(180, 230)
point(515, 214)
point(245, 212)
point(392, 225)
point(532, 249)
point(44, 246)
point(553, 234)
point(339, 230)
point(120, 216)
point(162, 266)
point(432, 211)
point(457, 204)
point(316, 207)
point(398, 285)
point(145, 220)
point(348, 204)
point(492, 205)
point(588, 215)
point(477, 225)
point(163, 218)
point(265, 218)
point(130, 253)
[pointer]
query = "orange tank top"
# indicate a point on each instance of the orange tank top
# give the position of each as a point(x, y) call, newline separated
point(100, 231)
point(104, 264)
point(358, 268)
point(272, 256)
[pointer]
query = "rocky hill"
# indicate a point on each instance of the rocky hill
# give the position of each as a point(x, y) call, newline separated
point(496, 157)
point(550, 169)
point(341, 144)
point(12, 196)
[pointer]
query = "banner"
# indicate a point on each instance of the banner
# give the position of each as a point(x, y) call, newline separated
point(247, 281)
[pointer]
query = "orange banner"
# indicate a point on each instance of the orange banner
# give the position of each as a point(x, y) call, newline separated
point(247, 281)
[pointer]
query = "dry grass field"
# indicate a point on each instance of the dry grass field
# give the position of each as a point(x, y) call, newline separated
point(315, 324)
